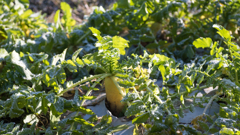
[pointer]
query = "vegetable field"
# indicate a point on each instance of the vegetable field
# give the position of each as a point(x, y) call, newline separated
point(152, 60)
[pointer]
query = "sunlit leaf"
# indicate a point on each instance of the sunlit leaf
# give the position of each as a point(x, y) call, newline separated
point(202, 42)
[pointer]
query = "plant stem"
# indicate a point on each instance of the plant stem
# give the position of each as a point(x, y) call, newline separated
point(159, 100)
point(82, 37)
point(209, 103)
point(88, 93)
point(140, 97)
point(181, 93)
point(211, 126)
point(98, 80)
point(82, 81)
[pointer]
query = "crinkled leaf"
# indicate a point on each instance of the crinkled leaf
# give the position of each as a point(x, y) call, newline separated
point(226, 122)
point(129, 97)
point(135, 108)
point(51, 98)
point(59, 104)
point(17, 103)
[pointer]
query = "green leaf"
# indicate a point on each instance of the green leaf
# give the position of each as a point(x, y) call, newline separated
point(51, 98)
point(21, 66)
point(76, 99)
point(96, 33)
point(141, 119)
point(192, 108)
point(120, 43)
point(61, 77)
point(124, 3)
point(57, 19)
point(25, 131)
point(163, 71)
point(213, 130)
point(71, 66)
point(31, 118)
point(79, 62)
point(67, 18)
point(66, 9)
point(48, 131)
point(80, 120)
point(58, 57)
point(135, 108)
point(142, 12)
point(222, 32)
point(57, 16)
point(180, 112)
point(3, 53)
point(46, 79)
point(152, 45)
point(118, 128)
point(202, 42)
point(89, 97)
point(44, 106)
point(182, 99)
point(214, 48)
point(15, 109)
point(24, 2)
point(26, 14)
point(225, 122)
point(203, 125)
point(54, 118)
point(85, 111)
point(226, 131)
point(163, 12)
point(129, 97)
point(126, 84)
point(159, 59)
point(59, 104)
point(147, 98)
point(75, 54)
point(172, 119)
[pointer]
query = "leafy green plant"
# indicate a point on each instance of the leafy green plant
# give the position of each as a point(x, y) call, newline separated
point(105, 62)
point(160, 114)
point(226, 64)
point(40, 62)
point(38, 93)
point(18, 22)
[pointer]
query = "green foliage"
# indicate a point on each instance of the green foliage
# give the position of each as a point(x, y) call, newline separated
point(18, 22)
point(39, 62)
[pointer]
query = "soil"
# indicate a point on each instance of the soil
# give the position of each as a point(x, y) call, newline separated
point(80, 8)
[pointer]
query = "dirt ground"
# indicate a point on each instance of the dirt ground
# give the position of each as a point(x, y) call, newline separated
point(80, 8)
